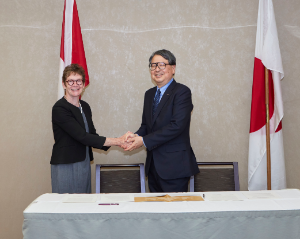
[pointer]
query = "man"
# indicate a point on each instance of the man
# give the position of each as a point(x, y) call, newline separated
point(165, 128)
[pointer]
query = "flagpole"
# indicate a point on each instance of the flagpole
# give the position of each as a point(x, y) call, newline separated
point(268, 151)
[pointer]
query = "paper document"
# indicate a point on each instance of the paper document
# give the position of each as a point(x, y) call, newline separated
point(261, 195)
point(80, 198)
point(115, 198)
point(222, 197)
point(288, 193)
point(49, 197)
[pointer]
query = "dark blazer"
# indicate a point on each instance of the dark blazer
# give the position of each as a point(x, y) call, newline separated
point(69, 132)
point(167, 135)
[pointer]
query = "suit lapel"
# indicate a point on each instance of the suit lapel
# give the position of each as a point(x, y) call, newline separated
point(78, 116)
point(163, 100)
point(150, 100)
point(76, 112)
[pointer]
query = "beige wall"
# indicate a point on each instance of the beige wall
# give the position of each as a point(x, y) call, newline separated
point(214, 43)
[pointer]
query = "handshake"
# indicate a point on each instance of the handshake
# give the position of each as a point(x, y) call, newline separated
point(130, 141)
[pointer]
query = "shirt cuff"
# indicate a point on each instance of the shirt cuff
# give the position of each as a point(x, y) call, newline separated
point(143, 141)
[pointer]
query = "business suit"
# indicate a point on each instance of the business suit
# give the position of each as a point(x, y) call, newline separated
point(166, 134)
point(70, 134)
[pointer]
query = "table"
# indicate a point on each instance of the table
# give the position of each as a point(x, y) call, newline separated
point(261, 214)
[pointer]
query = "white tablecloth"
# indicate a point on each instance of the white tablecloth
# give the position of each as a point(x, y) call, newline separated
point(263, 214)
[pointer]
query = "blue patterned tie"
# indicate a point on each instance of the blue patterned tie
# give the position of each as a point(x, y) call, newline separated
point(155, 102)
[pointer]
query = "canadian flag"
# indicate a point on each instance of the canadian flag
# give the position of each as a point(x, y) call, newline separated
point(267, 54)
point(71, 48)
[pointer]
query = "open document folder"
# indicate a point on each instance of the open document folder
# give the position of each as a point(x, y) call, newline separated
point(168, 198)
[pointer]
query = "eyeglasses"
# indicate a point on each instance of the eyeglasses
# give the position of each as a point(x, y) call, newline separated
point(161, 66)
point(71, 82)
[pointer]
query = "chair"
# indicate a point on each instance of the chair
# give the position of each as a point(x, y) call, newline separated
point(120, 178)
point(216, 176)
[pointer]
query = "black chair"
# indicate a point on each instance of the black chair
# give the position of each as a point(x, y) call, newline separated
point(216, 176)
point(120, 178)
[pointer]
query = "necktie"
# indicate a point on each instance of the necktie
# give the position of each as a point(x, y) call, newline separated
point(156, 101)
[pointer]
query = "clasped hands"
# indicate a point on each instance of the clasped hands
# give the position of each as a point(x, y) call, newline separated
point(131, 141)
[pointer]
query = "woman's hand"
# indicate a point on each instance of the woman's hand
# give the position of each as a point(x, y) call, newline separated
point(121, 141)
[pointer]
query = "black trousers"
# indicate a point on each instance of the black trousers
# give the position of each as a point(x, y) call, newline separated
point(157, 184)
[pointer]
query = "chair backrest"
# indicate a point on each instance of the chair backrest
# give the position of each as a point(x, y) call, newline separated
point(120, 178)
point(216, 176)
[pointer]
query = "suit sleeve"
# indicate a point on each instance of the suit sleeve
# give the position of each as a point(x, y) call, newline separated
point(93, 129)
point(67, 122)
point(180, 119)
point(142, 131)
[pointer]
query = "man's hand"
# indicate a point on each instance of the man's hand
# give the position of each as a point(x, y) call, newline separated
point(136, 142)
point(124, 144)
point(129, 135)
point(121, 141)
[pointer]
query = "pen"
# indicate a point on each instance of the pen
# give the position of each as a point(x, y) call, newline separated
point(108, 204)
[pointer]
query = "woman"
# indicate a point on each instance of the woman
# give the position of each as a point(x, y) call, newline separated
point(74, 135)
